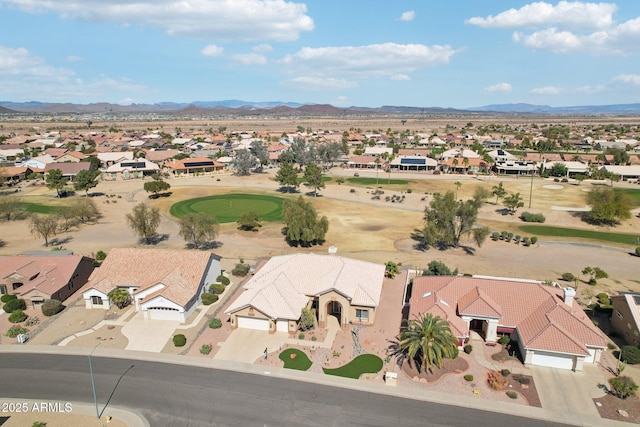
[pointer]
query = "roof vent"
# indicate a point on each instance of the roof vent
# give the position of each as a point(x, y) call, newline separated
point(444, 302)
point(333, 249)
point(428, 294)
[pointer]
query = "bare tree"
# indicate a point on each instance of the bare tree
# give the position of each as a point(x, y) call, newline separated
point(45, 226)
point(144, 221)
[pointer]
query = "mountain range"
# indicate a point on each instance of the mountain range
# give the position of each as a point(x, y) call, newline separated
point(238, 107)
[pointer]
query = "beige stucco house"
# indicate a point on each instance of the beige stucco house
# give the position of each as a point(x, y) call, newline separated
point(625, 319)
point(274, 297)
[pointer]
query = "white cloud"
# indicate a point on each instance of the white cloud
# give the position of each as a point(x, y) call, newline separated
point(633, 79)
point(500, 87)
point(73, 58)
point(400, 77)
point(341, 101)
point(591, 89)
point(407, 16)
point(374, 60)
point(249, 58)
point(320, 83)
point(204, 19)
point(22, 74)
point(546, 90)
point(212, 50)
point(264, 47)
point(576, 14)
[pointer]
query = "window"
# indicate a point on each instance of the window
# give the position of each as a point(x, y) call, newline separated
point(96, 300)
point(37, 301)
point(362, 315)
point(620, 316)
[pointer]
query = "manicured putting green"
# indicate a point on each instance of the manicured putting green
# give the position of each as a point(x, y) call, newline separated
point(546, 230)
point(230, 207)
point(363, 364)
point(300, 361)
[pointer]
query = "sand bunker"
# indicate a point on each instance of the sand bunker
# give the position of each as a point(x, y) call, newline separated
point(553, 187)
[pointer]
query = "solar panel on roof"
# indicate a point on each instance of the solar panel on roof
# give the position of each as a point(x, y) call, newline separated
point(198, 164)
point(413, 161)
point(636, 298)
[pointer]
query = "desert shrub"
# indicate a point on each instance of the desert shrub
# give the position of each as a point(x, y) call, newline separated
point(556, 179)
point(409, 191)
point(568, 277)
point(532, 217)
point(39, 424)
point(17, 316)
point(611, 346)
point(14, 331)
point(179, 340)
point(638, 251)
point(496, 381)
point(534, 240)
point(215, 323)
point(208, 299)
point(223, 279)
point(505, 372)
point(516, 239)
point(521, 379)
point(512, 394)
point(468, 378)
point(51, 307)
point(314, 338)
point(623, 386)
point(504, 339)
point(217, 288)
point(32, 320)
point(526, 241)
point(7, 297)
point(564, 180)
point(630, 354)
point(206, 348)
point(240, 270)
point(603, 298)
point(495, 236)
point(468, 348)
point(301, 336)
point(100, 256)
point(353, 190)
point(13, 305)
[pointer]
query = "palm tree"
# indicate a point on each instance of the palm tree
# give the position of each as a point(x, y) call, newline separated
point(458, 184)
point(426, 340)
point(120, 297)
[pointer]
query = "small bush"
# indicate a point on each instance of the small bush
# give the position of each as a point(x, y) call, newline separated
point(206, 348)
point(512, 394)
point(314, 338)
point(496, 381)
point(495, 236)
point(223, 279)
point(217, 288)
point(526, 241)
point(568, 277)
point(564, 180)
point(240, 270)
point(17, 316)
point(521, 379)
point(31, 321)
point(100, 256)
point(603, 298)
point(534, 240)
point(468, 378)
point(39, 424)
point(611, 346)
point(623, 386)
point(516, 239)
point(179, 340)
point(468, 348)
point(505, 372)
point(504, 339)
point(638, 251)
point(51, 307)
point(301, 336)
point(353, 190)
point(409, 191)
point(215, 323)
point(7, 297)
point(14, 331)
point(208, 299)
point(630, 354)
point(13, 305)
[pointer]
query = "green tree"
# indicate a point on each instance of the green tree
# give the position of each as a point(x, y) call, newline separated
point(56, 181)
point(156, 186)
point(287, 176)
point(558, 169)
point(620, 156)
point(512, 202)
point(623, 386)
point(10, 207)
point(120, 297)
point(499, 191)
point(608, 206)
point(426, 340)
point(302, 225)
point(391, 269)
point(45, 226)
point(438, 268)
point(458, 184)
point(249, 221)
point(595, 274)
point(448, 220)
point(85, 180)
point(313, 176)
point(244, 161)
point(198, 228)
point(260, 152)
point(144, 221)
point(307, 319)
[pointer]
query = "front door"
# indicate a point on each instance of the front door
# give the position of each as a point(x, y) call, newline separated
point(334, 308)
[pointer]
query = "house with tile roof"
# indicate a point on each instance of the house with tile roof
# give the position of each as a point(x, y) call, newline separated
point(193, 165)
point(164, 284)
point(625, 319)
point(37, 277)
point(543, 321)
point(332, 285)
point(130, 169)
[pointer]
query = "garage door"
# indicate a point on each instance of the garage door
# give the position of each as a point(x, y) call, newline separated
point(552, 360)
point(164, 314)
point(282, 326)
point(590, 357)
point(253, 323)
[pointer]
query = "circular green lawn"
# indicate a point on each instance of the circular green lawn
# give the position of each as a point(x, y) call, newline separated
point(230, 207)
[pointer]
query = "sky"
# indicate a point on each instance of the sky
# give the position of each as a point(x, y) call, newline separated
point(367, 53)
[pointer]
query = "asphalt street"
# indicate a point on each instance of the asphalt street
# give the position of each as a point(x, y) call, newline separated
point(178, 395)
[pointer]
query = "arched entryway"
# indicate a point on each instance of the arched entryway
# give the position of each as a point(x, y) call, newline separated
point(334, 308)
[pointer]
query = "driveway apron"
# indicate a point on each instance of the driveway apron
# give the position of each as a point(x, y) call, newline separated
point(148, 335)
point(246, 345)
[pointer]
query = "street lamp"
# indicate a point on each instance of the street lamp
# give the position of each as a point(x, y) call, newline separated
point(93, 383)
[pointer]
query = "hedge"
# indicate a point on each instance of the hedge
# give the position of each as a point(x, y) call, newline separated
point(14, 304)
point(217, 288)
point(215, 323)
point(240, 270)
point(630, 354)
point(7, 297)
point(51, 307)
point(223, 279)
point(179, 340)
point(17, 316)
point(208, 299)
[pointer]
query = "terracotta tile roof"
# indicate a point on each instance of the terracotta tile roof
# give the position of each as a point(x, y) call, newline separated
point(68, 168)
point(477, 302)
point(181, 272)
point(283, 286)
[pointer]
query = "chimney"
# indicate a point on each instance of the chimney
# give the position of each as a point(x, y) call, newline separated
point(569, 293)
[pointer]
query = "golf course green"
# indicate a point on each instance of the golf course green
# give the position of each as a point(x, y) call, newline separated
point(230, 207)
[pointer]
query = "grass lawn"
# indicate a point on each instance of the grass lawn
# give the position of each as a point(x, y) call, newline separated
point(603, 236)
point(301, 179)
point(380, 181)
point(229, 207)
point(38, 208)
point(300, 362)
point(633, 194)
point(363, 364)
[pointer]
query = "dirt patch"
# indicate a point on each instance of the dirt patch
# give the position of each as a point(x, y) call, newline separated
point(456, 366)
point(609, 405)
point(526, 387)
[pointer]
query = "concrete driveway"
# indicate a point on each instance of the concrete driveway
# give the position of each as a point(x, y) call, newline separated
point(246, 345)
point(148, 335)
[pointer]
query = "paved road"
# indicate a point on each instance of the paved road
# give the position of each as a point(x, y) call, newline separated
point(178, 395)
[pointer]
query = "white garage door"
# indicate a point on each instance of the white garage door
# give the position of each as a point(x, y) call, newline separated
point(590, 357)
point(282, 326)
point(253, 323)
point(164, 314)
point(552, 360)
